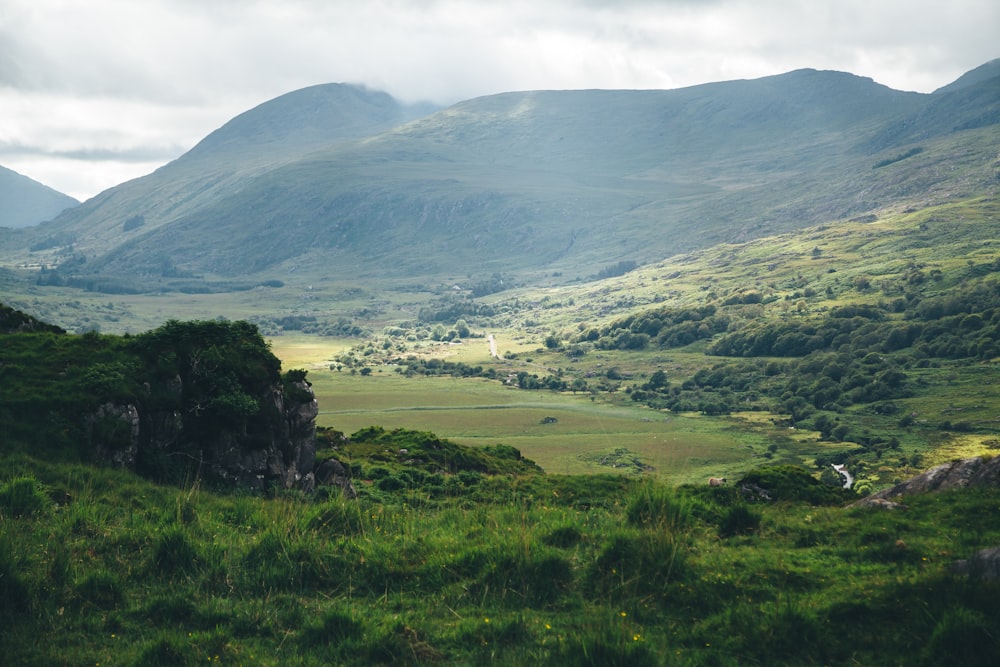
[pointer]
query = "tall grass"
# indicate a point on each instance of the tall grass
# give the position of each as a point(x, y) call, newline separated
point(126, 572)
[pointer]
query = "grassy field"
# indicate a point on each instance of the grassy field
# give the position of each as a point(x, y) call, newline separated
point(564, 433)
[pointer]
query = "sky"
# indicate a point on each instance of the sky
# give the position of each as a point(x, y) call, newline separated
point(97, 92)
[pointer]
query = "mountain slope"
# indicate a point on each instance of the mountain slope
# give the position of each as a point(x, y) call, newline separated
point(26, 202)
point(982, 73)
point(272, 133)
point(561, 181)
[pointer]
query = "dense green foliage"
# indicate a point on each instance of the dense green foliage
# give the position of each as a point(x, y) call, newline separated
point(59, 393)
point(98, 566)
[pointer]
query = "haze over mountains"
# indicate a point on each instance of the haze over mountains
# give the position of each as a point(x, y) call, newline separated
point(25, 202)
point(339, 180)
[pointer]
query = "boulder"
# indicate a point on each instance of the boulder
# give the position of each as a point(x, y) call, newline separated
point(332, 473)
point(976, 471)
point(984, 564)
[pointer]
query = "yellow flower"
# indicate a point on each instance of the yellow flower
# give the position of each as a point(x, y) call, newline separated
point(623, 614)
point(635, 637)
point(486, 620)
point(548, 627)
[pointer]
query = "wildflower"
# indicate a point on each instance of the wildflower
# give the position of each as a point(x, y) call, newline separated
point(623, 614)
point(548, 627)
point(636, 637)
point(486, 620)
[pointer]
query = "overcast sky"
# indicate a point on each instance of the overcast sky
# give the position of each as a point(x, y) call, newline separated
point(96, 92)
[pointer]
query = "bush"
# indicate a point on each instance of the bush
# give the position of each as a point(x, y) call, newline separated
point(962, 637)
point(739, 520)
point(656, 505)
point(563, 537)
point(334, 627)
point(637, 563)
point(23, 496)
point(14, 595)
point(791, 483)
point(174, 553)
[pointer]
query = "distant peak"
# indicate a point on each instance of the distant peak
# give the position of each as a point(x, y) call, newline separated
point(984, 72)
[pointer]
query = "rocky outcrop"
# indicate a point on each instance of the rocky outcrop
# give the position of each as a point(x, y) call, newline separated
point(984, 564)
point(332, 473)
point(277, 452)
point(978, 471)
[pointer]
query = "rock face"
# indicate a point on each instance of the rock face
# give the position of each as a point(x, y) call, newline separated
point(205, 400)
point(146, 438)
point(984, 564)
point(978, 471)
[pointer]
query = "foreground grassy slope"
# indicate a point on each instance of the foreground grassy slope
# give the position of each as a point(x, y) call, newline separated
point(100, 567)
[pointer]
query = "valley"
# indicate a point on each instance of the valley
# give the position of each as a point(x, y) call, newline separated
point(356, 382)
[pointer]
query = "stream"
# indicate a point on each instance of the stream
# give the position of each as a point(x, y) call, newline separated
point(842, 471)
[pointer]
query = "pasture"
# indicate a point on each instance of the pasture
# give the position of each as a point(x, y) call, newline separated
point(563, 433)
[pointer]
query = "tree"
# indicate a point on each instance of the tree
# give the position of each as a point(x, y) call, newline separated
point(657, 380)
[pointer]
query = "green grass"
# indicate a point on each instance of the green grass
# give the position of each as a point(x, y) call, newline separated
point(800, 275)
point(479, 412)
point(510, 570)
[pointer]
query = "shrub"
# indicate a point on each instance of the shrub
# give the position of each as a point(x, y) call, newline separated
point(637, 561)
point(538, 579)
point(792, 483)
point(333, 627)
point(23, 496)
point(739, 520)
point(563, 537)
point(101, 589)
point(654, 504)
point(962, 637)
point(174, 553)
point(14, 595)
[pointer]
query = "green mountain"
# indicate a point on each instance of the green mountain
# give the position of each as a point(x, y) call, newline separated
point(332, 181)
point(25, 202)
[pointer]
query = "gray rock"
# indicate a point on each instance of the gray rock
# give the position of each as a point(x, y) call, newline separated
point(332, 473)
point(977, 471)
point(131, 436)
point(984, 564)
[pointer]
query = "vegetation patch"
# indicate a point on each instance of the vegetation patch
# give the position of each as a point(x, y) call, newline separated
point(619, 458)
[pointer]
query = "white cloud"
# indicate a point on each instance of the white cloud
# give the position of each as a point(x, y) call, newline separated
point(129, 78)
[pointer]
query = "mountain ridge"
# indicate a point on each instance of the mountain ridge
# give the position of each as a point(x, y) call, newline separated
point(527, 182)
point(26, 202)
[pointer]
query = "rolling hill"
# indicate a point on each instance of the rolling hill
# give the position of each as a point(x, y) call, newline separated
point(337, 181)
point(26, 202)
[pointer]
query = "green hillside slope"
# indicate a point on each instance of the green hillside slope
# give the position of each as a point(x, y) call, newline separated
point(25, 202)
point(526, 182)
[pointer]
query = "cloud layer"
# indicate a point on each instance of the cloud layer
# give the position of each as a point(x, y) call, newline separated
point(94, 93)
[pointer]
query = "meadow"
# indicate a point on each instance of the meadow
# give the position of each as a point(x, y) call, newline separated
point(99, 567)
point(562, 432)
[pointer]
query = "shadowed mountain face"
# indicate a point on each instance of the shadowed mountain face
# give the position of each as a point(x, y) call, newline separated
point(344, 178)
point(25, 202)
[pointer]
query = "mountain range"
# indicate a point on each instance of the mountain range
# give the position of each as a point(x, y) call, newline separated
point(25, 202)
point(342, 181)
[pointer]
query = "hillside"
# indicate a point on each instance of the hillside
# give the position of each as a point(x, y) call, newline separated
point(332, 186)
point(429, 551)
point(26, 202)
point(279, 131)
